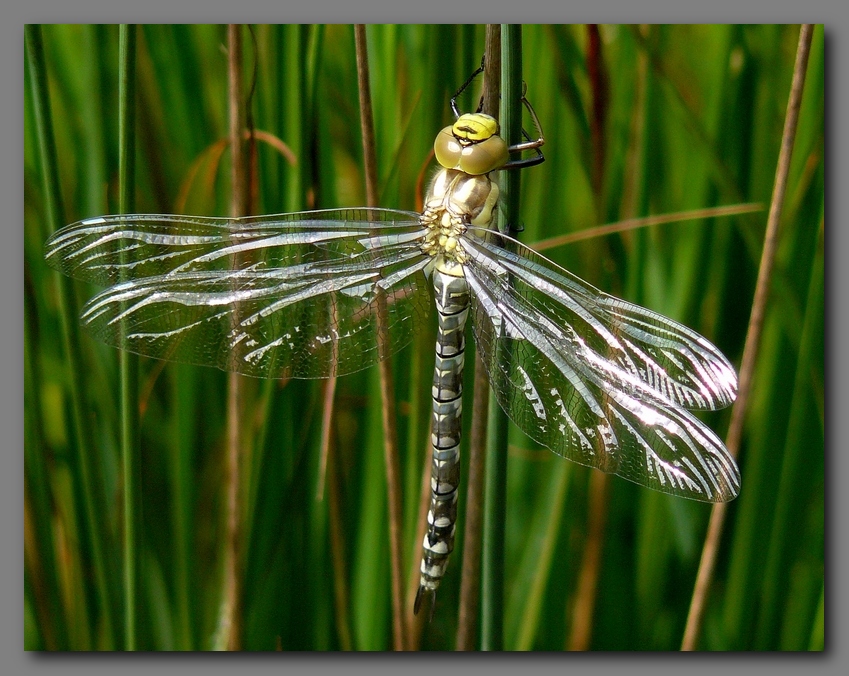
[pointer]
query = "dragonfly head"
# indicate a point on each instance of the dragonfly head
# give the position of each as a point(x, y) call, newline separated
point(471, 145)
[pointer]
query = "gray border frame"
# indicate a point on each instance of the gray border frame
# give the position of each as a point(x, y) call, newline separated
point(16, 661)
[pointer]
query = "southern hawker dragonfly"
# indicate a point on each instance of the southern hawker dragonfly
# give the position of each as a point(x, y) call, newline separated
point(596, 379)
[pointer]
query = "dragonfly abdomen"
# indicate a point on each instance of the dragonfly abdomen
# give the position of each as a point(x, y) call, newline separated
point(452, 305)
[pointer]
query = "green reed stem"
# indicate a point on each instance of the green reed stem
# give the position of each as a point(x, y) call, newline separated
point(496, 463)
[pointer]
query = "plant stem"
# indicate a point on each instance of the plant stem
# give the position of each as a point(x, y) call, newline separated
point(471, 580)
point(233, 582)
point(583, 607)
point(387, 382)
point(470, 584)
point(129, 362)
point(753, 336)
point(644, 222)
point(492, 627)
point(90, 481)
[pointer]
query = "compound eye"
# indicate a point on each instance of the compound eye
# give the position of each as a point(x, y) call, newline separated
point(481, 158)
point(447, 149)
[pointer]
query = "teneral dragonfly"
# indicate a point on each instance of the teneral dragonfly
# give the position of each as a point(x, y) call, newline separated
point(596, 379)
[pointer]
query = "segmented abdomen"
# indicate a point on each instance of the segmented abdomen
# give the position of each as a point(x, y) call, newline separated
point(452, 305)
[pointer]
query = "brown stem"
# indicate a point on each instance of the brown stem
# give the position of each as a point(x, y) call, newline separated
point(327, 471)
point(233, 582)
point(337, 543)
point(753, 335)
point(417, 622)
point(366, 115)
point(390, 432)
point(470, 585)
point(637, 139)
point(583, 609)
point(634, 223)
point(470, 579)
point(490, 96)
point(595, 66)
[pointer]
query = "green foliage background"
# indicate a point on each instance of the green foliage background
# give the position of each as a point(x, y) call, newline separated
point(693, 119)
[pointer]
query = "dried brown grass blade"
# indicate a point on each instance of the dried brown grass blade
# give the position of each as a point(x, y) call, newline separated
point(390, 433)
point(232, 624)
point(753, 336)
point(634, 223)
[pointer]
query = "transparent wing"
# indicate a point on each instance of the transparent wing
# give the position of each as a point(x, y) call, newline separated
point(598, 380)
point(634, 349)
point(293, 295)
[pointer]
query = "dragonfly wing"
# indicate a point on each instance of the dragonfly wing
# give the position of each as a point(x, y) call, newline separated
point(554, 382)
point(111, 249)
point(291, 296)
point(632, 348)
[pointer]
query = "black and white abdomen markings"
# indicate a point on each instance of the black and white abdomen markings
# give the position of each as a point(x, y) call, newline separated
point(452, 304)
point(455, 200)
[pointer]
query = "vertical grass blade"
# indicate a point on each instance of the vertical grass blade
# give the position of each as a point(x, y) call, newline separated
point(496, 461)
point(128, 362)
point(799, 467)
point(94, 530)
point(41, 572)
point(753, 335)
point(539, 562)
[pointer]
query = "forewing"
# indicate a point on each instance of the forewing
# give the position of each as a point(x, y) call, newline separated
point(295, 295)
point(111, 249)
point(565, 372)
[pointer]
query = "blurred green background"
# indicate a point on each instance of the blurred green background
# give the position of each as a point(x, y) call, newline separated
point(638, 121)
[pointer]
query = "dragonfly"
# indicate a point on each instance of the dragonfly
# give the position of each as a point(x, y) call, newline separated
point(598, 380)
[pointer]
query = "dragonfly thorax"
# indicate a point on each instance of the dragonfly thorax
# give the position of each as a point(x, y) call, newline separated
point(456, 200)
